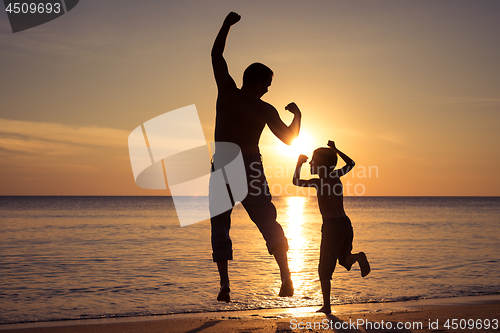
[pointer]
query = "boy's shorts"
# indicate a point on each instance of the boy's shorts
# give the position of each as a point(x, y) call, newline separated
point(336, 244)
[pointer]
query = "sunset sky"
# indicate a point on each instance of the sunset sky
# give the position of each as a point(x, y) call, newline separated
point(409, 89)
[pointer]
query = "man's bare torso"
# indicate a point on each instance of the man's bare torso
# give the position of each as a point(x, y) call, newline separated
point(240, 119)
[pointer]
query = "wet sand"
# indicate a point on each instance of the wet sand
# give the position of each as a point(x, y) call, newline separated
point(413, 316)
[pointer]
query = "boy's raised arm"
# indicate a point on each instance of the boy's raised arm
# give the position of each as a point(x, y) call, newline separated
point(296, 175)
point(348, 161)
point(221, 72)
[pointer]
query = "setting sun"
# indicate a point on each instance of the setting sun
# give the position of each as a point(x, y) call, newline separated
point(303, 144)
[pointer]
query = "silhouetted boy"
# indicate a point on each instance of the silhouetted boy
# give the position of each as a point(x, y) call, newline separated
point(336, 232)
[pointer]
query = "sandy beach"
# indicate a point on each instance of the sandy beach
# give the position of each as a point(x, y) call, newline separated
point(467, 314)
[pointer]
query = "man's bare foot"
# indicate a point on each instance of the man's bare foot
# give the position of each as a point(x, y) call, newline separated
point(325, 309)
point(286, 288)
point(363, 264)
point(224, 294)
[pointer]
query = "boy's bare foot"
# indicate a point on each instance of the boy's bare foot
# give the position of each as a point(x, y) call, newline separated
point(224, 294)
point(286, 288)
point(363, 264)
point(325, 309)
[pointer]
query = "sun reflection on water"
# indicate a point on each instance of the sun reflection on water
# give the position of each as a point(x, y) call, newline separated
point(296, 240)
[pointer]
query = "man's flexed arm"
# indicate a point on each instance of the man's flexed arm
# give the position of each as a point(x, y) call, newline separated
point(285, 133)
point(221, 72)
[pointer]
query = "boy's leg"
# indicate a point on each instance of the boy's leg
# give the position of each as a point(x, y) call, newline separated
point(346, 258)
point(360, 257)
point(325, 290)
point(332, 241)
point(349, 261)
point(364, 265)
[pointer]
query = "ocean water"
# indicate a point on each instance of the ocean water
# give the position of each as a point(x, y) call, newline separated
point(94, 257)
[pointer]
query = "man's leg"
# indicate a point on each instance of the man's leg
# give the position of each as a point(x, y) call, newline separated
point(223, 296)
point(286, 280)
point(222, 251)
point(263, 213)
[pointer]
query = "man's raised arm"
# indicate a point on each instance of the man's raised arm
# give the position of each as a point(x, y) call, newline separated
point(221, 72)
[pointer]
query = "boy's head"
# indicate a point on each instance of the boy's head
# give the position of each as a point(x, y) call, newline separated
point(258, 77)
point(323, 159)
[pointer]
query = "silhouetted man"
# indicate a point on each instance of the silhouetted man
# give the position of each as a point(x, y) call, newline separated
point(240, 119)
